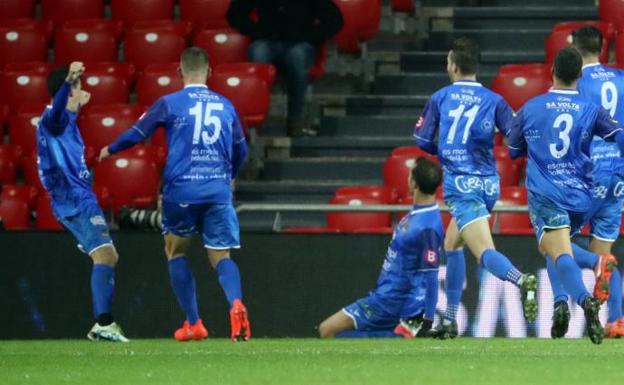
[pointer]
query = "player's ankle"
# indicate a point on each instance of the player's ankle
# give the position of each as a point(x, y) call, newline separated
point(105, 319)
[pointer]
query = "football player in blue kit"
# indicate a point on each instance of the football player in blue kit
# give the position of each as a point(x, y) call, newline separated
point(556, 130)
point(600, 84)
point(207, 148)
point(407, 287)
point(64, 174)
point(458, 124)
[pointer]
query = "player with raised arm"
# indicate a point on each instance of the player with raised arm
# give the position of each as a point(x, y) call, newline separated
point(600, 84)
point(458, 124)
point(207, 148)
point(64, 174)
point(407, 288)
point(556, 130)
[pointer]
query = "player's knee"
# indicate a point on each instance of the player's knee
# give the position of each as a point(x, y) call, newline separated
point(106, 256)
point(326, 331)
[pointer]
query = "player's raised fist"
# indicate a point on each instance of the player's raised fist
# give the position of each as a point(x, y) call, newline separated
point(75, 70)
point(103, 154)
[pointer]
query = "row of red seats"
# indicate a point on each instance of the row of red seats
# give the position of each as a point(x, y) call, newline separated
point(247, 85)
point(203, 13)
point(361, 17)
point(518, 83)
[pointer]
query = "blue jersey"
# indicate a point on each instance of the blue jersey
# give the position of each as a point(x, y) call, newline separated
point(205, 141)
point(556, 129)
point(459, 123)
point(413, 252)
point(603, 85)
point(60, 157)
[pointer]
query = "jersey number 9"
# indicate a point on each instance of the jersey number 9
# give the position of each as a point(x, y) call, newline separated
point(609, 97)
point(206, 119)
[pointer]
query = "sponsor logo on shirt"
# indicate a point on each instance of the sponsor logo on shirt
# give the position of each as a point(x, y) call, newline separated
point(98, 220)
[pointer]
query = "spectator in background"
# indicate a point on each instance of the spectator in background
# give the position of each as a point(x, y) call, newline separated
point(287, 33)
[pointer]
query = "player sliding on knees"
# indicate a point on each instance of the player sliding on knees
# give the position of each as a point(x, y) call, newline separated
point(458, 124)
point(556, 130)
point(407, 288)
point(599, 84)
point(207, 148)
point(64, 174)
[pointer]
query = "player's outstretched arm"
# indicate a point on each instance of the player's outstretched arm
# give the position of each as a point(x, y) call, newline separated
point(515, 141)
point(155, 117)
point(57, 119)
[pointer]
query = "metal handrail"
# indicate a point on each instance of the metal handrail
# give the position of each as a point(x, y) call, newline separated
point(314, 207)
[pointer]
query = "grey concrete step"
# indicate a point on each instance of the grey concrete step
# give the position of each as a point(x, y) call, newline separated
point(368, 125)
point(431, 61)
point(396, 105)
point(493, 39)
point(519, 17)
point(420, 83)
point(294, 191)
point(323, 168)
point(351, 146)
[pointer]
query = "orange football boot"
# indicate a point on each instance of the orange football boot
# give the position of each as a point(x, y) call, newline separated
point(614, 329)
point(603, 276)
point(241, 329)
point(190, 332)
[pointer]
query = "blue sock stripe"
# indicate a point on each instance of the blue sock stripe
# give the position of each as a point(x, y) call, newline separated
point(500, 266)
point(455, 276)
point(584, 258)
point(451, 312)
point(183, 284)
point(102, 288)
point(229, 278)
point(615, 296)
point(570, 275)
point(559, 293)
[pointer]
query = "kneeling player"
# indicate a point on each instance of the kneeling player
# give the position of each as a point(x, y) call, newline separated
point(411, 261)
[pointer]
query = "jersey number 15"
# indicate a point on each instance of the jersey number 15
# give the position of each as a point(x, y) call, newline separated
point(206, 119)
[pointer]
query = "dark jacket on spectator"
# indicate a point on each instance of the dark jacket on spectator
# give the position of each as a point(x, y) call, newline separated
point(314, 21)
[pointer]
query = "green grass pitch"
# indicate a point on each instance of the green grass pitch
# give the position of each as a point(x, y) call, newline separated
point(309, 361)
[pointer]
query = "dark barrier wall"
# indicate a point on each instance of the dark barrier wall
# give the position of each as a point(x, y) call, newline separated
point(290, 283)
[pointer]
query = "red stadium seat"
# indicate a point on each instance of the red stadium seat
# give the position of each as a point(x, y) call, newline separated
point(30, 172)
point(60, 11)
point(45, 216)
point(513, 195)
point(131, 181)
point(130, 11)
point(619, 49)
point(514, 223)
point(223, 46)
point(406, 6)
point(518, 83)
point(318, 68)
point(245, 85)
point(23, 127)
point(144, 46)
point(8, 163)
point(309, 230)
point(182, 28)
point(123, 70)
point(24, 83)
point(611, 11)
point(384, 194)
point(17, 9)
point(205, 13)
point(22, 41)
point(361, 22)
point(106, 84)
point(348, 221)
point(15, 213)
point(89, 41)
point(101, 124)
point(508, 171)
point(158, 80)
point(27, 194)
point(151, 154)
point(4, 116)
point(398, 165)
point(561, 37)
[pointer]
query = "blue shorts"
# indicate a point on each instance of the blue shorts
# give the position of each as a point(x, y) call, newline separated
point(606, 214)
point(217, 223)
point(545, 214)
point(367, 315)
point(88, 226)
point(470, 197)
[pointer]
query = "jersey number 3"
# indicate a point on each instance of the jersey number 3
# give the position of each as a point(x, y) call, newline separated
point(206, 119)
point(567, 121)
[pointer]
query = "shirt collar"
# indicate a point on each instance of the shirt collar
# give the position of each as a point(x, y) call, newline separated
point(565, 92)
point(467, 83)
point(195, 85)
point(591, 65)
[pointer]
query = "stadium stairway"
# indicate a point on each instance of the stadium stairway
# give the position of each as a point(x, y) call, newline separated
point(364, 107)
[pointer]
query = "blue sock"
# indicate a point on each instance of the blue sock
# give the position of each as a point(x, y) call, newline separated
point(183, 285)
point(615, 296)
point(229, 278)
point(559, 293)
point(584, 258)
point(570, 275)
point(367, 334)
point(454, 282)
point(102, 287)
point(497, 264)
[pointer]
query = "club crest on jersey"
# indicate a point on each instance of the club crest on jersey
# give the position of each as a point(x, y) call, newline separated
point(431, 257)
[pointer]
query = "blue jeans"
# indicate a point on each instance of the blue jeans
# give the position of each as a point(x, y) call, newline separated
point(296, 59)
